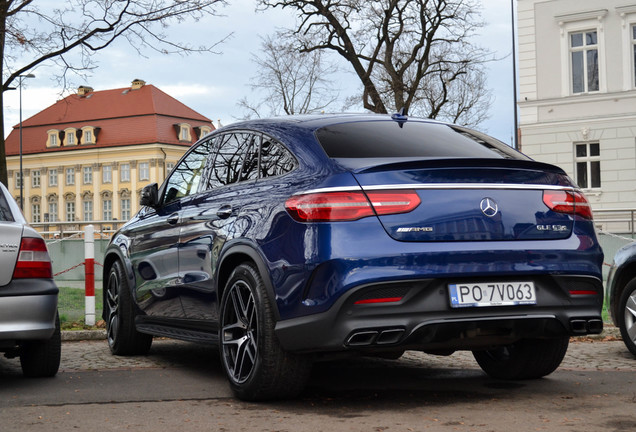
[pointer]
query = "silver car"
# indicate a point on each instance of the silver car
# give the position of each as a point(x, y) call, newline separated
point(29, 322)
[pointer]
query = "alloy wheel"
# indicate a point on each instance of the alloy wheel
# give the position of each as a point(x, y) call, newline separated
point(112, 301)
point(630, 316)
point(240, 332)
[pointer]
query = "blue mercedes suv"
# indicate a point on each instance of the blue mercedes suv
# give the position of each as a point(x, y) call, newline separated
point(283, 241)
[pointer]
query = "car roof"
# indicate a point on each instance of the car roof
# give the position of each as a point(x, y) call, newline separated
point(316, 121)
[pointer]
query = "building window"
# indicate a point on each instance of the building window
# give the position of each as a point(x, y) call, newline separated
point(18, 179)
point(35, 213)
point(70, 176)
point(70, 211)
point(169, 166)
point(52, 138)
point(144, 171)
point(107, 207)
point(107, 174)
point(52, 211)
point(88, 175)
point(35, 178)
point(88, 210)
point(52, 177)
point(588, 165)
point(125, 209)
point(88, 136)
point(124, 172)
point(584, 61)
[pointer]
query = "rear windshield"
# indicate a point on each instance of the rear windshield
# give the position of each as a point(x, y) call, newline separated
point(5, 211)
point(387, 139)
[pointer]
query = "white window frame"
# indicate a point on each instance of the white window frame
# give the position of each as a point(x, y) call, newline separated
point(628, 22)
point(107, 209)
point(124, 172)
point(70, 138)
point(107, 173)
point(36, 215)
point(36, 179)
point(144, 171)
point(575, 23)
point(18, 179)
point(125, 209)
point(584, 49)
point(588, 159)
point(87, 207)
point(53, 138)
point(87, 175)
point(70, 211)
point(69, 176)
point(52, 176)
point(53, 216)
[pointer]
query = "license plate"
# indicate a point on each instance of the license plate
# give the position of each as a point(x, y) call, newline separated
point(492, 294)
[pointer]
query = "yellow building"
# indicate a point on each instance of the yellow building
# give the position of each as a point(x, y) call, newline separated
point(87, 157)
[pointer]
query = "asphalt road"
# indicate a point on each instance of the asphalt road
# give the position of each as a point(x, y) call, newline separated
point(180, 386)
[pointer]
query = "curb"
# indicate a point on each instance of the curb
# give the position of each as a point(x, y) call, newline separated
point(80, 335)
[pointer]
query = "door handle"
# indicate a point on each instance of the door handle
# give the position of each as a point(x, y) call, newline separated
point(173, 218)
point(224, 212)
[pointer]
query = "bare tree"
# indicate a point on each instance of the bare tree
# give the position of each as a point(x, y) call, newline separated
point(414, 55)
point(31, 35)
point(291, 82)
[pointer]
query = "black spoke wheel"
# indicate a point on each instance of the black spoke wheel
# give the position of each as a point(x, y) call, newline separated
point(627, 316)
point(123, 338)
point(240, 332)
point(254, 362)
point(524, 359)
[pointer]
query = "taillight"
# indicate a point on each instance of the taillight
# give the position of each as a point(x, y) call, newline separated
point(571, 202)
point(33, 260)
point(349, 206)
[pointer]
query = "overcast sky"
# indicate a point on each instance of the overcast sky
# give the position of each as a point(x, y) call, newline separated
point(213, 84)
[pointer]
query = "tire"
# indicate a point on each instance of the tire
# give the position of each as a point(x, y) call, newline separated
point(626, 316)
point(524, 359)
point(123, 338)
point(42, 358)
point(256, 365)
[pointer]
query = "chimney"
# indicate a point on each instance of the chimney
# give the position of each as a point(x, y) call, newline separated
point(84, 90)
point(137, 84)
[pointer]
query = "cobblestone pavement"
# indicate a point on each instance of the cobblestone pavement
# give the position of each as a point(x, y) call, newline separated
point(605, 353)
point(601, 353)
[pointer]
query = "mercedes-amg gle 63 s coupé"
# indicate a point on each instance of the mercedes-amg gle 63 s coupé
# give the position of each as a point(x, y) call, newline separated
point(291, 240)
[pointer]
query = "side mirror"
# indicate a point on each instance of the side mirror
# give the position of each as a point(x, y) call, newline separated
point(150, 195)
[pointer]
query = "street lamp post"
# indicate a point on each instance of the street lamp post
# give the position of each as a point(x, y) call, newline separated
point(20, 78)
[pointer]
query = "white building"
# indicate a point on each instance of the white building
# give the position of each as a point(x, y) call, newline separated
point(577, 93)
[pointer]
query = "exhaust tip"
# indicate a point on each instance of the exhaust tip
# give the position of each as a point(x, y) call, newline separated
point(363, 338)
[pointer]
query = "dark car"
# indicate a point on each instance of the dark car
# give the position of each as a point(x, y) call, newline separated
point(291, 240)
point(621, 294)
point(29, 323)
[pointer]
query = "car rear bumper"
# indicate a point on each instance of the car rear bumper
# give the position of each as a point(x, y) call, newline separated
point(28, 309)
point(424, 320)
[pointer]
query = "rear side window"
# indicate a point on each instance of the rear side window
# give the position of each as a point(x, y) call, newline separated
point(5, 211)
point(389, 139)
point(275, 159)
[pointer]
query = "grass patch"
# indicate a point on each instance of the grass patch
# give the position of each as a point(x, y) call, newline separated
point(71, 306)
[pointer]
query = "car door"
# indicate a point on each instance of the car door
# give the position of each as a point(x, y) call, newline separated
point(155, 249)
point(208, 218)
